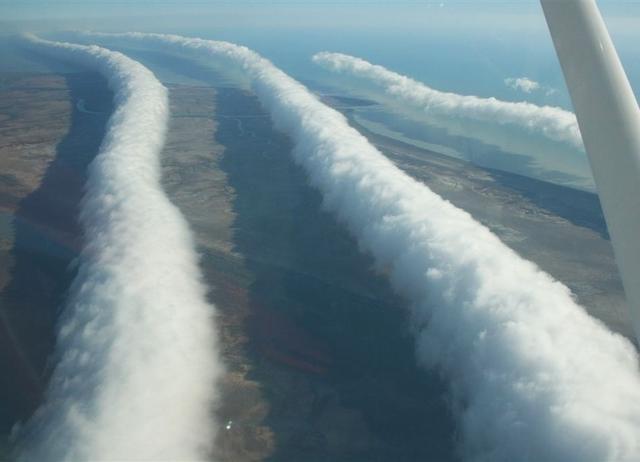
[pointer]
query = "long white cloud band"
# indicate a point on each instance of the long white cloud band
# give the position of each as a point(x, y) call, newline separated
point(136, 349)
point(553, 122)
point(533, 376)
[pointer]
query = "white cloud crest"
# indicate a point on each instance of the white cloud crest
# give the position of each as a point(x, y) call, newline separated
point(552, 122)
point(533, 376)
point(136, 362)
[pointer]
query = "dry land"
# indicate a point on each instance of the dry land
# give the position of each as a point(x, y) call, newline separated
point(320, 362)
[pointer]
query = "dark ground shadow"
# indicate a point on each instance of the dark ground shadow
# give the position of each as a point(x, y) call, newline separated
point(581, 208)
point(329, 341)
point(47, 239)
point(163, 61)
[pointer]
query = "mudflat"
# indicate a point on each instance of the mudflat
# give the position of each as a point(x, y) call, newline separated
point(46, 144)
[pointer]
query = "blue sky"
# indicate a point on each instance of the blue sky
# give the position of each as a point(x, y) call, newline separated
point(466, 46)
point(288, 12)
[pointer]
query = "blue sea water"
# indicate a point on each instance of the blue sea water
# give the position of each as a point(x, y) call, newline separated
point(471, 61)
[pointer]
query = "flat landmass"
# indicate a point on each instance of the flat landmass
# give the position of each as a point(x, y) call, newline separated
point(291, 289)
point(560, 229)
point(46, 143)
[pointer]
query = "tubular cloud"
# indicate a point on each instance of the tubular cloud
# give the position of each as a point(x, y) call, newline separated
point(532, 375)
point(136, 361)
point(552, 122)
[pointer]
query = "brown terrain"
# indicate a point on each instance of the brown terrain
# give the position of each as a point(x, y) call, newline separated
point(45, 146)
point(291, 288)
point(320, 361)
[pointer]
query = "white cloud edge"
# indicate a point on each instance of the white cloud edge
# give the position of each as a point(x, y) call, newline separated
point(532, 374)
point(552, 122)
point(136, 353)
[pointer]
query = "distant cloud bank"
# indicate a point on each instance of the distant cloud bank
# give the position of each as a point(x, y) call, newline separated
point(136, 362)
point(552, 122)
point(532, 376)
